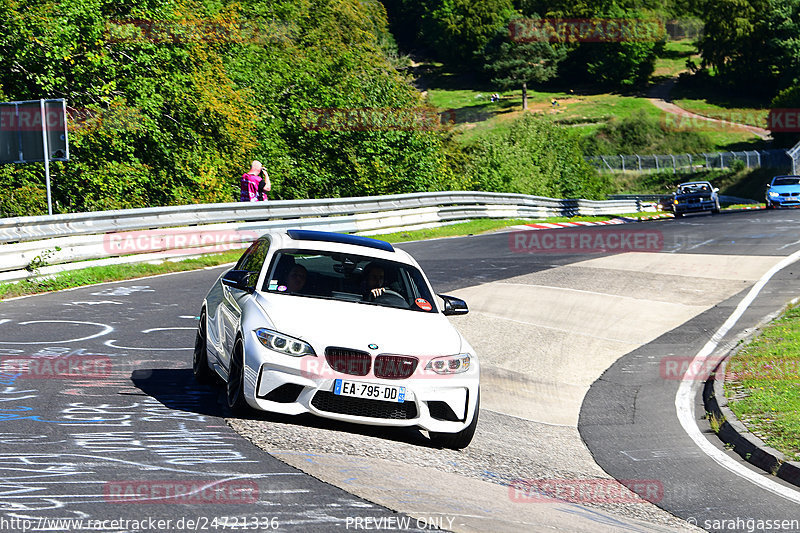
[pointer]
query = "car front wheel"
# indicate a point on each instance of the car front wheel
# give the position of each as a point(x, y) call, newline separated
point(235, 386)
point(202, 373)
point(457, 441)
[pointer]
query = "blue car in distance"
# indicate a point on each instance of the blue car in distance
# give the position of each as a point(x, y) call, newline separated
point(783, 191)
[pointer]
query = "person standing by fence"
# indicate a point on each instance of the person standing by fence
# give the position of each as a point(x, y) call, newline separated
point(255, 183)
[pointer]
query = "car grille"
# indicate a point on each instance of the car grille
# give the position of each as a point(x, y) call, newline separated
point(790, 194)
point(346, 361)
point(395, 366)
point(346, 405)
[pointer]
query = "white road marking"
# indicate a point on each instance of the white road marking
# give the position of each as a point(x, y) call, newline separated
point(106, 330)
point(699, 244)
point(110, 343)
point(165, 329)
point(684, 399)
point(788, 245)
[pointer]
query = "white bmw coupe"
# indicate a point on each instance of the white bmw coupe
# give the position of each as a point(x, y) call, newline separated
point(341, 326)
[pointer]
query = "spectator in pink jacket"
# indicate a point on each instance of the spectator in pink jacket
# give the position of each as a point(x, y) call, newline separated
point(255, 183)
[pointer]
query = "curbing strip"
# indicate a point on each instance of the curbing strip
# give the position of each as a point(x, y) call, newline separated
point(734, 433)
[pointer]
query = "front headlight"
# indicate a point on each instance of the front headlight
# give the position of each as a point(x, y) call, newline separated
point(283, 343)
point(451, 364)
point(773, 194)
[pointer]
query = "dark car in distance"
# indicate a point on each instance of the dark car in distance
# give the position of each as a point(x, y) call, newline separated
point(695, 197)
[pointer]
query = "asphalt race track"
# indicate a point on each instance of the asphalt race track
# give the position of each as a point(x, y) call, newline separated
point(136, 439)
point(130, 437)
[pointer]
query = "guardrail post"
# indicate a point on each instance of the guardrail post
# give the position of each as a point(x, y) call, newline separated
point(622, 157)
point(640, 162)
point(656, 158)
point(674, 164)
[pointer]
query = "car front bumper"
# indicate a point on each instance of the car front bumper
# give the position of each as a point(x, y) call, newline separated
point(292, 386)
point(784, 201)
point(694, 207)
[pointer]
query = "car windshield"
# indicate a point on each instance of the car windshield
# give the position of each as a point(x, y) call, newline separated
point(691, 188)
point(787, 181)
point(347, 277)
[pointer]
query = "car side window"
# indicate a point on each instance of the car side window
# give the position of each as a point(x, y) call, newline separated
point(253, 259)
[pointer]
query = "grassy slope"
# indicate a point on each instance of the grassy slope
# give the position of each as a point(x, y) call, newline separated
point(765, 391)
point(475, 115)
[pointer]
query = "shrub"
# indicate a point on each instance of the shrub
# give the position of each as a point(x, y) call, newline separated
point(535, 157)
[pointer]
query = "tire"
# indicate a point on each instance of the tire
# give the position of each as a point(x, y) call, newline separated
point(457, 441)
point(235, 387)
point(200, 369)
point(716, 210)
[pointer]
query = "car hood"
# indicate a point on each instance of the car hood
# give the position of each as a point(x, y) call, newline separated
point(784, 188)
point(354, 325)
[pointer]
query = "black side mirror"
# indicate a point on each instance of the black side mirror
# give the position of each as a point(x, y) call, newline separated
point(453, 306)
point(237, 279)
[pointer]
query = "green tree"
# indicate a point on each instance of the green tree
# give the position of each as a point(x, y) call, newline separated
point(518, 62)
point(787, 99)
point(456, 30)
point(746, 40)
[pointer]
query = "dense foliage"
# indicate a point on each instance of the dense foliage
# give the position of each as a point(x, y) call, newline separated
point(752, 40)
point(537, 157)
point(170, 100)
point(471, 34)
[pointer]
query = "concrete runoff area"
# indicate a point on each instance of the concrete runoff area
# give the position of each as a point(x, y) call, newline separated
point(543, 338)
point(561, 339)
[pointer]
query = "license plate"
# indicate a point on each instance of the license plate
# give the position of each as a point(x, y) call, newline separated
point(372, 391)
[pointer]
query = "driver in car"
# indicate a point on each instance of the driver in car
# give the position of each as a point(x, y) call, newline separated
point(372, 282)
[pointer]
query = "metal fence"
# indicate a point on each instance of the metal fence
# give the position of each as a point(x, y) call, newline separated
point(690, 162)
point(794, 155)
point(76, 240)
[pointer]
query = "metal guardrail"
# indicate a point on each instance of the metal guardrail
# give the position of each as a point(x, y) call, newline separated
point(77, 240)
